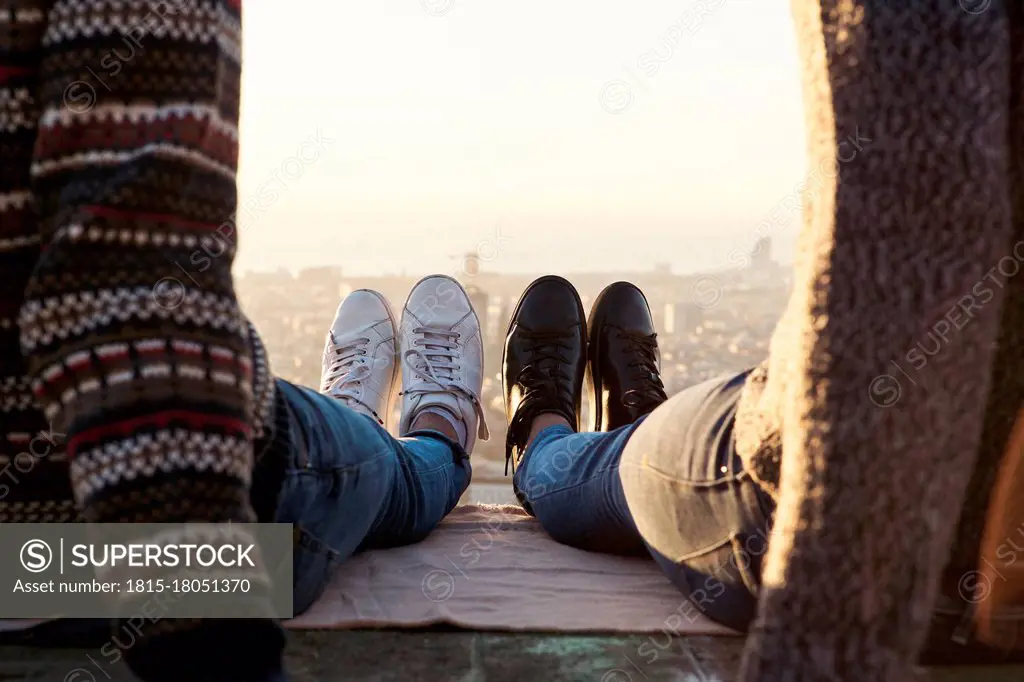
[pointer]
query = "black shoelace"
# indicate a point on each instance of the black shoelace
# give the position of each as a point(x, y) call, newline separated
point(650, 391)
point(540, 380)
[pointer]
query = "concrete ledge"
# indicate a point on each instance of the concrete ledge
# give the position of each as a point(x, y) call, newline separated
point(392, 656)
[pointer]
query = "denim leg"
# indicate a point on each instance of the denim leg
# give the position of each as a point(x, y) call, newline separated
point(704, 519)
point(349, 483)
point(570, 482)
point(433, 473)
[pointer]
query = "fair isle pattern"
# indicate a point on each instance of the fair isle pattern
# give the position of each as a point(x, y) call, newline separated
point(15, 395)
point(163, 451)
point(194, 366)
point(40, 511)
point(196, 22)
point(61, 320)
point(143, 234)
point(263, 421)
point(115, 158)
point(15, 104)
point(126, 379)
point(16, 201)
point(166, 118)
point(32, 489)
point(58, 318)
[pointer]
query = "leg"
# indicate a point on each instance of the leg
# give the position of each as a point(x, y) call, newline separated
point(898, 269)
point(659, 476)
point(570, 482)
point(670, 484)
point(704, 519)
point(146, 376)
point(349, 484)
point(559, 471)
point(334, 470)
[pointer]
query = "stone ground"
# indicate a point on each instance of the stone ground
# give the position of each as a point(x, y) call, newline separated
point(432, 656)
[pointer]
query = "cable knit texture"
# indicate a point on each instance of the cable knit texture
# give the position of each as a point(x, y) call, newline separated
point(140, 380)
point(867, 418)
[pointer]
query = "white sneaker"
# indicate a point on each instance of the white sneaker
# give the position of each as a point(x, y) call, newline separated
point(359, 366)
point(442, 358)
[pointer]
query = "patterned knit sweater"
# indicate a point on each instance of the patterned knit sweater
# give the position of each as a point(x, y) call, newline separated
point(896, 372)
point(127, 380)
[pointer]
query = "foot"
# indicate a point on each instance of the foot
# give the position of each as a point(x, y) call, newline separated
point(623, 361)
point(544, 360)
point(359, 367)
point(442, 359)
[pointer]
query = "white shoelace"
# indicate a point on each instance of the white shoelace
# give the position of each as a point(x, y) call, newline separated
point(436, 364)
point(346, 372)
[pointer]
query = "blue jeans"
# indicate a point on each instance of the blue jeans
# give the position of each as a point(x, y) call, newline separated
point(670, 483)
point(349, 485)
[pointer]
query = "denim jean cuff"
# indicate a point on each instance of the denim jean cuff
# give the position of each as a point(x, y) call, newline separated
point(458, 452)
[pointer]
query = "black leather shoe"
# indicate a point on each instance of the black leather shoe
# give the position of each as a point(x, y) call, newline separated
point(544, 359)
point(623, 361)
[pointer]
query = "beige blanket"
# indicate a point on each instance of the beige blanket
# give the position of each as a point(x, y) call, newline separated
point(492, 567)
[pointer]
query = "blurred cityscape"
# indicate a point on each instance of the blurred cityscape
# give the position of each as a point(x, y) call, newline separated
point(708, 324)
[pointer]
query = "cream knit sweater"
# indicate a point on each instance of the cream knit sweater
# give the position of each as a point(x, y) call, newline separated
point(880, 389)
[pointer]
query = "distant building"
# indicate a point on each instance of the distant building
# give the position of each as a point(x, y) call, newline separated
point(669, 327)
point(686, 317)
point(471, 264)
point(658, 316)
point(508, 304)
point(480, 300)
point(320, 275)
point(761, 255)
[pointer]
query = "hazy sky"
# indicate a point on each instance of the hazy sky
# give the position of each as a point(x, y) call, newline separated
point(598, 134)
